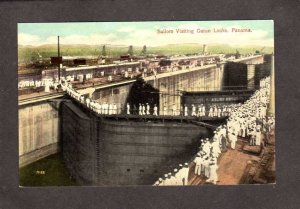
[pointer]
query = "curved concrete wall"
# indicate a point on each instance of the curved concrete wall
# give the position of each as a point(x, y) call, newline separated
point(143, 150)
point(109, 152)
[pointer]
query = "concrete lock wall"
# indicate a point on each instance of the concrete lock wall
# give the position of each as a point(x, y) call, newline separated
point(38, 132)
point(117, 95)
point(262, 71)
point(229, 76)
point(236, 76)
point(207, 78)
point(109, 152)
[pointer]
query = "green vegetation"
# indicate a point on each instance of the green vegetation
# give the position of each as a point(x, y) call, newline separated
point(27, 54)
point(49, 171)
point(197, 48)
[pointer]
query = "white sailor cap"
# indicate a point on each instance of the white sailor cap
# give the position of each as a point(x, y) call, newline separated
point(175, 170)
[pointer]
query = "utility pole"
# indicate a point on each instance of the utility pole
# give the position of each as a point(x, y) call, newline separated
point(130, 50)
point(104, 51)
point(58, 57)
point(144, 50)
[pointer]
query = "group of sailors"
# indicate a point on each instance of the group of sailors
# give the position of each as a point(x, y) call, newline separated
point(248, 121)
point(105, 108)
point(37, 83)
point(179, 176)
point(205, 164)
point(144, 109)
point(194, 111)
point(49, 82)
point(46, 82)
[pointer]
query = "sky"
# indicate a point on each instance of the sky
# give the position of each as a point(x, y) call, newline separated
point(145, 33)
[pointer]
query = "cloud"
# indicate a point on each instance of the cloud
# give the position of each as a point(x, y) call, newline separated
point(28, 39)
point(126, 29)
point(93, 39)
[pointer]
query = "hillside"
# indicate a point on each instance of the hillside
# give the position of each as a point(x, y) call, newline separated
point(30, 53)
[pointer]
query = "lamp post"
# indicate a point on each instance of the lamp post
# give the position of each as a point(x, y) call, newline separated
point(58, 56)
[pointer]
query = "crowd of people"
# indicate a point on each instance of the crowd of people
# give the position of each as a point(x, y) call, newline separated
point(199, 110)
point(37, 83)
point(105, 108)
point(50, 82)
point(248, 121)
point(145, 109)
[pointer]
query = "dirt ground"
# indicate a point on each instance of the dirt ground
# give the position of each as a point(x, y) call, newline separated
point(232, 165)
point(237, 166)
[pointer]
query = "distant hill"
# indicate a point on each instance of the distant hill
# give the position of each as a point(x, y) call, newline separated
point(30, 53)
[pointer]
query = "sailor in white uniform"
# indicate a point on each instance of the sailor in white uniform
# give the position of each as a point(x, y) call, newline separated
point(203, 110)
point(193, 110)
point(110, 109)
point(173, 110)
point(185, 174)
point(115, 109)
point(128, 109)
point(87, 101)
point(147, 109)
point(140, 109)
point(198, 167)
point(143, 109)
point(210, 114)
point(258, 138)
point(199, 113)
point(165, 110)
point(155, 110)
point(213, 167)
point(185, 110)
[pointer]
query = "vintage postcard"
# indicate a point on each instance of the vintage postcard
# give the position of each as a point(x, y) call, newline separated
point(161, 103)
